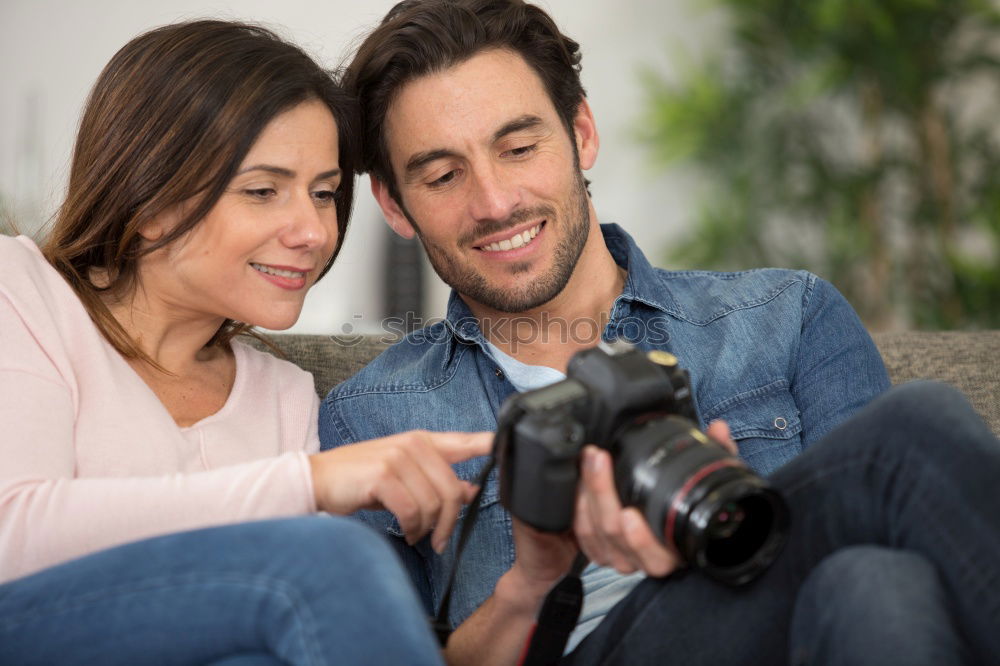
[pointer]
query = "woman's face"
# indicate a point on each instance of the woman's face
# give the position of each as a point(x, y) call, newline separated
point(265, 242)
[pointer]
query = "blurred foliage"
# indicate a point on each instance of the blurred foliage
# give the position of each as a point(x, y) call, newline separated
point(855, 138)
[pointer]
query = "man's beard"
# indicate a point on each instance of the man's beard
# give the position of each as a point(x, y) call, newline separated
point(535, 292)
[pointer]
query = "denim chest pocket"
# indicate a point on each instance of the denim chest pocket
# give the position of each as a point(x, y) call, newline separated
point(765, 424)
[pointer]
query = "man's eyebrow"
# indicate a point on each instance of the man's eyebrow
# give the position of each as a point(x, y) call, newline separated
point(516, 125)
point(286, 173)
point(420, 160)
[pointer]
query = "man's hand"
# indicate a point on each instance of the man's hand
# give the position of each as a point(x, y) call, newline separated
point(507, 617)
point(408, 474)
point(620, 537)
point(496, 633)
point(542, 557)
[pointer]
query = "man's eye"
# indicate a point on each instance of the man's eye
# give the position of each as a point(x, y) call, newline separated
point(445, 179)
point(521, 151)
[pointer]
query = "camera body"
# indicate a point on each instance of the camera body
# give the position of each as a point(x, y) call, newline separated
point(700, 500)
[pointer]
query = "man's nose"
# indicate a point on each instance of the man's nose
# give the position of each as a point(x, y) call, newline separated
point(494, 196)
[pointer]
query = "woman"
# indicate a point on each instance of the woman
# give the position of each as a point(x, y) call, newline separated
point(211, 185)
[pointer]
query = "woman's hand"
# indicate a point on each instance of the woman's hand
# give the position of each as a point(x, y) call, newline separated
point(408, 474)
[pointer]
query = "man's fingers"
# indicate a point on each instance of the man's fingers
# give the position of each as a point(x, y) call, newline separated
point(654, 558)
point(719, 431)
point(605, 509)
point(589, 540)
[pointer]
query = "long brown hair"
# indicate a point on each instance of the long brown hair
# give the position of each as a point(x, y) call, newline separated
point(170, 119)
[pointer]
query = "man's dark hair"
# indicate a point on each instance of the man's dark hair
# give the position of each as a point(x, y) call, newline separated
point(420, 37)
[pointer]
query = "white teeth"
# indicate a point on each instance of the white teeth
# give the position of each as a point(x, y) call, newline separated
point(277, 271)
point(515, 241)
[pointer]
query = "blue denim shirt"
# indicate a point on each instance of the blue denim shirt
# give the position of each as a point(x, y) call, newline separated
point(779, 354)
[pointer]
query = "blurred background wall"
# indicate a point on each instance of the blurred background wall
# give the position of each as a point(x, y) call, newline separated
point(52, 51)
point(706, 114)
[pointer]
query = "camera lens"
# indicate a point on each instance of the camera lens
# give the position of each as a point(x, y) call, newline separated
point(725, 522)
point(716, 513)
point(742, 534)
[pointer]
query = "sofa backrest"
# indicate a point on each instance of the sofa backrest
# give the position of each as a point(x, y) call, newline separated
point(968, 360)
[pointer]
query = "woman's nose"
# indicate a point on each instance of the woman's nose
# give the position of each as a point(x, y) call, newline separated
point(308, 226)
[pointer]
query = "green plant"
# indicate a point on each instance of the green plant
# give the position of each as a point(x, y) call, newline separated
point(855, 138)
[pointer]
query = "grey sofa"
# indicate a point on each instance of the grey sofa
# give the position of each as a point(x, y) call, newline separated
point(968, 360)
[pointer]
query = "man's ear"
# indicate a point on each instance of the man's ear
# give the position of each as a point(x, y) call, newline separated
point(391, 209)
point(585, 133)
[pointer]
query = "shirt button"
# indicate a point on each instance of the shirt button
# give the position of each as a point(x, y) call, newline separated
point(498, 372)
point(780, 423)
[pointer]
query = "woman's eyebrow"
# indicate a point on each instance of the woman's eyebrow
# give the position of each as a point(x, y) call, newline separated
point(286, 173)
point(276, 170)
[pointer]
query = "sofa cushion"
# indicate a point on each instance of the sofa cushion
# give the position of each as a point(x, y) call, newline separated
point(968, 360)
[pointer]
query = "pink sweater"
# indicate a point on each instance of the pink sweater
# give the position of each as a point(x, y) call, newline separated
point(90, 458)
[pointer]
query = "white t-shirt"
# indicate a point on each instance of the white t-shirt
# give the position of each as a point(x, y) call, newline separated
point(603, 587)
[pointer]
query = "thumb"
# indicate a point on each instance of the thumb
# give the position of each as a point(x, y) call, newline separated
point(719, 431)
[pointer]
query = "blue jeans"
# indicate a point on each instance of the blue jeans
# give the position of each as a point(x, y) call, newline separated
point(243, 594)
point(917, 471)
point(874, 605)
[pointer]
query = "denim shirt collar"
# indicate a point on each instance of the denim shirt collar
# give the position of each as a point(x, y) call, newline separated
point(642, 285)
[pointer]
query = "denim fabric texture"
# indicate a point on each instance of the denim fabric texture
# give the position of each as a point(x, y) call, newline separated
point(914, 472)
point(874, 605)
point(247, 594)
point(779, 354)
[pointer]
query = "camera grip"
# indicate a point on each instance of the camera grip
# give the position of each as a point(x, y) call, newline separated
point(542, 471)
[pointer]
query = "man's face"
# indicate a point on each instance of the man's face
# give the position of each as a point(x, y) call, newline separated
point(490, 180)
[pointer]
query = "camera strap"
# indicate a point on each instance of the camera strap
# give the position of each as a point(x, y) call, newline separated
point(440, 623)
point(559, 612)
point(557, 618)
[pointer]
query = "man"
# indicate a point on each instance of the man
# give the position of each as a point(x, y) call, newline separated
point(477, 131)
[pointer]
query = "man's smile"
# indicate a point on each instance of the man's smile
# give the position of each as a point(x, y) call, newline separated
point(512, 241)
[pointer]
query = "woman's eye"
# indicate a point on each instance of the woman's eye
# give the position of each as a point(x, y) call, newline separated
point(326, 197)
point(260, 192)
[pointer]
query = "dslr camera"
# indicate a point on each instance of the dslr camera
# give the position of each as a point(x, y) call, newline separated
point(699, 499)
